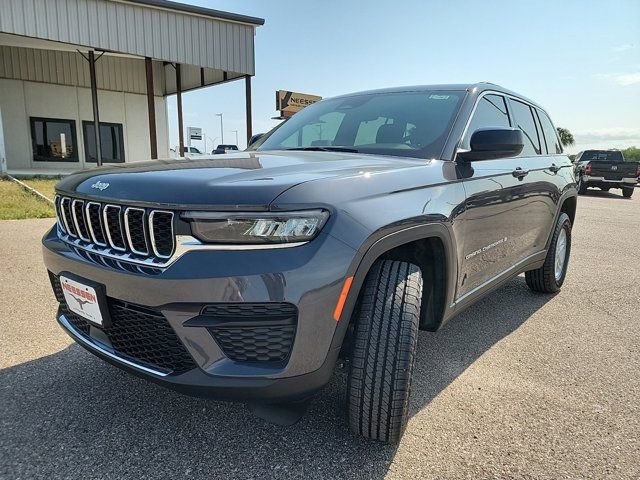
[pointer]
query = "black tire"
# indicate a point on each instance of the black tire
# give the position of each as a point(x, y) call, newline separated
point(544, 279)
point(582, 187)
point(627, 192)
point(604, 189)
point(384, 348)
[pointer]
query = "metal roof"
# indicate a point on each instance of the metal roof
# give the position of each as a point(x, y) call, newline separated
point(160, 29)
point(209, 12)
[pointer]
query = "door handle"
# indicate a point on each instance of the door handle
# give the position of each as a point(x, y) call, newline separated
point(519, 173)
point(554, 168)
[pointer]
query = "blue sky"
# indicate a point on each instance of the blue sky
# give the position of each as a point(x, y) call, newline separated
point(578, 59)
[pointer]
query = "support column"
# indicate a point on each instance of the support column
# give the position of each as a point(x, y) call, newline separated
point(247, 84)
point(179, 98)
point(151, 107)
point(94, 101)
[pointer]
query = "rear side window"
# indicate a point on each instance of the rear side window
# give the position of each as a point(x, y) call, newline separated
point(491, 111)
point(550, 134)
point(524, 121)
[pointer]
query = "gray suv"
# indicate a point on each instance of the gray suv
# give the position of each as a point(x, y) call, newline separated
point(340, 234)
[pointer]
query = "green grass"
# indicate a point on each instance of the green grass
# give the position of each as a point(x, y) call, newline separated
point(43, 185)
point(16, 203)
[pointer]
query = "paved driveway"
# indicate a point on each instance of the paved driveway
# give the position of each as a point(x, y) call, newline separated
point(520, 385)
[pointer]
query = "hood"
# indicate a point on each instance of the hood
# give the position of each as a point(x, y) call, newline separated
point(248, 180)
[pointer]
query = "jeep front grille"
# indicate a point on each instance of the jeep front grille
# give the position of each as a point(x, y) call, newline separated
point(139, 235)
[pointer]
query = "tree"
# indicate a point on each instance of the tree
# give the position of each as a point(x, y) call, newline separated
point(566, 137)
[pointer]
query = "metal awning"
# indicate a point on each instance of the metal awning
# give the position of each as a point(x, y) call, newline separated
point(194, 47)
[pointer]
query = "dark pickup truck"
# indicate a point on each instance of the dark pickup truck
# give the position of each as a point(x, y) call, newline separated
point(606, 169)
point(340, 234)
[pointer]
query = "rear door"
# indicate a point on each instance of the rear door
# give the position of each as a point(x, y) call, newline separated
point(543, 183)
point(501, 208)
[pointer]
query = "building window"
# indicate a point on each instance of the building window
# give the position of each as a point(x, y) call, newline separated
point(111, 140)
point(54, 140)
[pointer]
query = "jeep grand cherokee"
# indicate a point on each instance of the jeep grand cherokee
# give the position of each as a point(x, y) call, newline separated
point(341, 233)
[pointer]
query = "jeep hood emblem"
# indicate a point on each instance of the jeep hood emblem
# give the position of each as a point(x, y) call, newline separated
point(100, 185)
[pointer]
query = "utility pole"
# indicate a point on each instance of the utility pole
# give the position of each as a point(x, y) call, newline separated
point(221, 128)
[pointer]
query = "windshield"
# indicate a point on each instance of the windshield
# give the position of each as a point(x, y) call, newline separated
point(601, 156)
point(410, 124)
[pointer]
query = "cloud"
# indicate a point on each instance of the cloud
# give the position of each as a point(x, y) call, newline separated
point(623, 48)
point(618, 137)
point(622, 79)
point(627, 78)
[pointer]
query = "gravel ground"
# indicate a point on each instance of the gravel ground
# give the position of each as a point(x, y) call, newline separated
point(518, 386)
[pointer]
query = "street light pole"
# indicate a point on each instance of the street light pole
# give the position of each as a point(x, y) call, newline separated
point(221, 129)
point(236, 132)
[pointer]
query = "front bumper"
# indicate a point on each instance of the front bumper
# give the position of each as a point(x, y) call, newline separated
point(310, 277)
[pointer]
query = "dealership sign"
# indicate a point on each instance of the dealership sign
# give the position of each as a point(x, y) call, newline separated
point(194, 133)
point(291, 102)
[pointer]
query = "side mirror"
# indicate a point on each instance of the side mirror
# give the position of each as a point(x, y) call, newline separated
point(493, 143)
point(255, 138)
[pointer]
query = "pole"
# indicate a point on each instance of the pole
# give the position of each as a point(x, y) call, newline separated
point(221, 128)
point(236, 132)
point(179, 97)
point(151, 108)
point(247, 85)
point(94, 102)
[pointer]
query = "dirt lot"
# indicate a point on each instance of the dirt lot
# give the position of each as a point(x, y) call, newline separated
point(518, 386)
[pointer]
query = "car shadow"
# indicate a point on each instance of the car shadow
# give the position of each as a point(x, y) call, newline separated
point(70, 415)
point(603, 194)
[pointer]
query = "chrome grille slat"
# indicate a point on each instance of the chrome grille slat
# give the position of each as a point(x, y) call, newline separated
point(133, 235)
point(65, 206)
point(118, 234)
point(79, 220)
point(93, 212)
point(161, 251)
point(56, 205)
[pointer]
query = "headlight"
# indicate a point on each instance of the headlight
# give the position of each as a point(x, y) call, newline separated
point(256, 228)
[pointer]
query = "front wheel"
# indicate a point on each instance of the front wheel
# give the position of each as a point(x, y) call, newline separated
point(550, 276)
point(627, 192)
point(384, 349)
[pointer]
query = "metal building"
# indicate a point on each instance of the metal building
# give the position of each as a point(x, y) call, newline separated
point(79, 73)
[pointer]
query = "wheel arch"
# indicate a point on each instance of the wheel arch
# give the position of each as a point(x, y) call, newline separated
point(397, 245)
point(568, 204)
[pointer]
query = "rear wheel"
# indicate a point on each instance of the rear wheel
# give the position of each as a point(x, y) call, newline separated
point(604, 189)
point(385, 341)
point(627, 192)
point(550, 277)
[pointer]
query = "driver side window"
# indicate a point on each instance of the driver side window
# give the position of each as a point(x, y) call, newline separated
point(491, 111)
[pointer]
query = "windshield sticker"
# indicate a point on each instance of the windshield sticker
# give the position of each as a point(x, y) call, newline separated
point(439, 97)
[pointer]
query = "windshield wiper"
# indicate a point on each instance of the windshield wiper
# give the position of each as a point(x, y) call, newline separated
point(326, 149)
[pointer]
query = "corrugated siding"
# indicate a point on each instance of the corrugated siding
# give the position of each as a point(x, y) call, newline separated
point(134, 29)
point(70, 68)
point(191, 77)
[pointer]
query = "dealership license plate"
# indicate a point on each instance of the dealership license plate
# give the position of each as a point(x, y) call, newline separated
point(81, 299)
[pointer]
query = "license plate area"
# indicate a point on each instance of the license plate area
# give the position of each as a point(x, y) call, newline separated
point(86, 299)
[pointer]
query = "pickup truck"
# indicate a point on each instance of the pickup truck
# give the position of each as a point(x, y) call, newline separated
point(338, 235)
point(606, 169)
